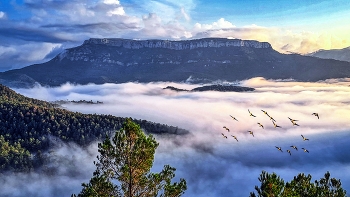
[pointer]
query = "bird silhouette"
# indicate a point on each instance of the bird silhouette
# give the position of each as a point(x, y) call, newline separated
point(275, 125)
point(251, 113)
point(251, 132)
point(265, 112)
point(260, 125)
point(305, 150)
point(304, 138)
point(316, 114)
point(289, 152)
point(271, 118)
point(233, 118)
point(294, 147)
point(224, 135)
point(227, 129)
point(279, 148)
point(293, 122)
point(234, 137)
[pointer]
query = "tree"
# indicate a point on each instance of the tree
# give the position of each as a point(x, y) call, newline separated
point(300, 186)
point(123, 167)
point(271, 185)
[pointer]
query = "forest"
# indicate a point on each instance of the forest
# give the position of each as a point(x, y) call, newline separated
point(26, 126)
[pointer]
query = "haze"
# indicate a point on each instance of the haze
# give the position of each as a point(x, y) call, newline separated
point(211, 164)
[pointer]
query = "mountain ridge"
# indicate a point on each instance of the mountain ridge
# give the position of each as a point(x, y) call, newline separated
point(337, 54)
point(202, 61)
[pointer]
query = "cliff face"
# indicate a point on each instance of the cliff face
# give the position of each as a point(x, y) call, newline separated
point(204, 60)
point(178, 45)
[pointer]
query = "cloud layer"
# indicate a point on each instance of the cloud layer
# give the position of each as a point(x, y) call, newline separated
point(213, 165)
point(48, 25)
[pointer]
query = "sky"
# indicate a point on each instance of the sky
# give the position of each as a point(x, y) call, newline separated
point(34, 31)
point(211, 164)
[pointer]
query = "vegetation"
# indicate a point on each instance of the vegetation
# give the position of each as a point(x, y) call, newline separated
point(127, 160)
point(301, 186)
point(26, 126)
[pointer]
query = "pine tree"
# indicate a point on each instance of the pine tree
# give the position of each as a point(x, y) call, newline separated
point(123, 167)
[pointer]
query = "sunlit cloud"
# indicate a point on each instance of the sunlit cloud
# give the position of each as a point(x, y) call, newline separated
point(213, 165)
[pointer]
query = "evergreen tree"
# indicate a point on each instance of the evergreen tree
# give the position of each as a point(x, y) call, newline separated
point(301, 186)
point(124, 164)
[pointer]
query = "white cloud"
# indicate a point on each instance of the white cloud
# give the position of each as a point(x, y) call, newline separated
point(214, 166)
point(111, 2)
point(116, 11)
point(2, 15)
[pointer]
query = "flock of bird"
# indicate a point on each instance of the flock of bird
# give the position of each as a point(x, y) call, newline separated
point(293, 121)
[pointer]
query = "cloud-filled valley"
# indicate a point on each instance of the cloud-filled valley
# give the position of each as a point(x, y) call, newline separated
point(211, 164)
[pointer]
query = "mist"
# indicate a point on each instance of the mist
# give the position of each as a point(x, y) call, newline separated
point(211, 164)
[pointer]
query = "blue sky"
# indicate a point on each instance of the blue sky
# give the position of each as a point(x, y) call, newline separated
point(34, 31)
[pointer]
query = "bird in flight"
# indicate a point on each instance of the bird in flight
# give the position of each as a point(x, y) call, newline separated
point(289, 152)
point(304, 138)
point(251, 132)
point(227, 129)
point(279, 148)
point(294, 147)
point(275, 125)
point(265, 112)
point(316, 114)
point(271, 118)
point(234, 137)
point(293, 122)
point(305, 150)
point(234, 118)
point(224, 135)
point(260, 125)
point(251, 113)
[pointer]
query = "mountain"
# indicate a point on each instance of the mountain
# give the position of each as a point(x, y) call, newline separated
point(202, 60)
point(337, 54)
point(27, 125)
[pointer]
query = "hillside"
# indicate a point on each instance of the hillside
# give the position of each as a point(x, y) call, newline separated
point(337, 54)
point(197, 61)
point(26, 126)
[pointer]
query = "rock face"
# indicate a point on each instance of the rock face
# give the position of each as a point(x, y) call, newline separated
point(202, 60)
point(178, 45)
point(337, 54)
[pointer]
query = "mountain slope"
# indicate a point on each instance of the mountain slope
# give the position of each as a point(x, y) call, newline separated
point(337, 54)
point(26, 125)
point(203, 60)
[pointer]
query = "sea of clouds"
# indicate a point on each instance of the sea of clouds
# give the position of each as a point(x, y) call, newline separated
point(211, 164)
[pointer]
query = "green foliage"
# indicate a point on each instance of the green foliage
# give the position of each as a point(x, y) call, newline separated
point(127, 159)
point(29, 123)
point(301, 186)
point(13, 157)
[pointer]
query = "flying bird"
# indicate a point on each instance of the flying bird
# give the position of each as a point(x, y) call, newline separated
point(294, 147)
point(265, 112)
point(251, 113)
point(275, 125)
point(260, 125)
point(251, 132)
point(304, 138)
point(233, 118)
point(289, 152)
point(293, 122)
point(234, 137)
point(316, 114)
point(224, 135)
point(279, 148)
point(227, 129)
point(271, 118)
point(305, 150)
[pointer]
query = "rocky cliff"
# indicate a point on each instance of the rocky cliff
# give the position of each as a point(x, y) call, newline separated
point(203, 60)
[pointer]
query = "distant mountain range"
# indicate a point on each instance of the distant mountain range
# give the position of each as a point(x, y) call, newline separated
point(337, 54)
point(202, 60)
